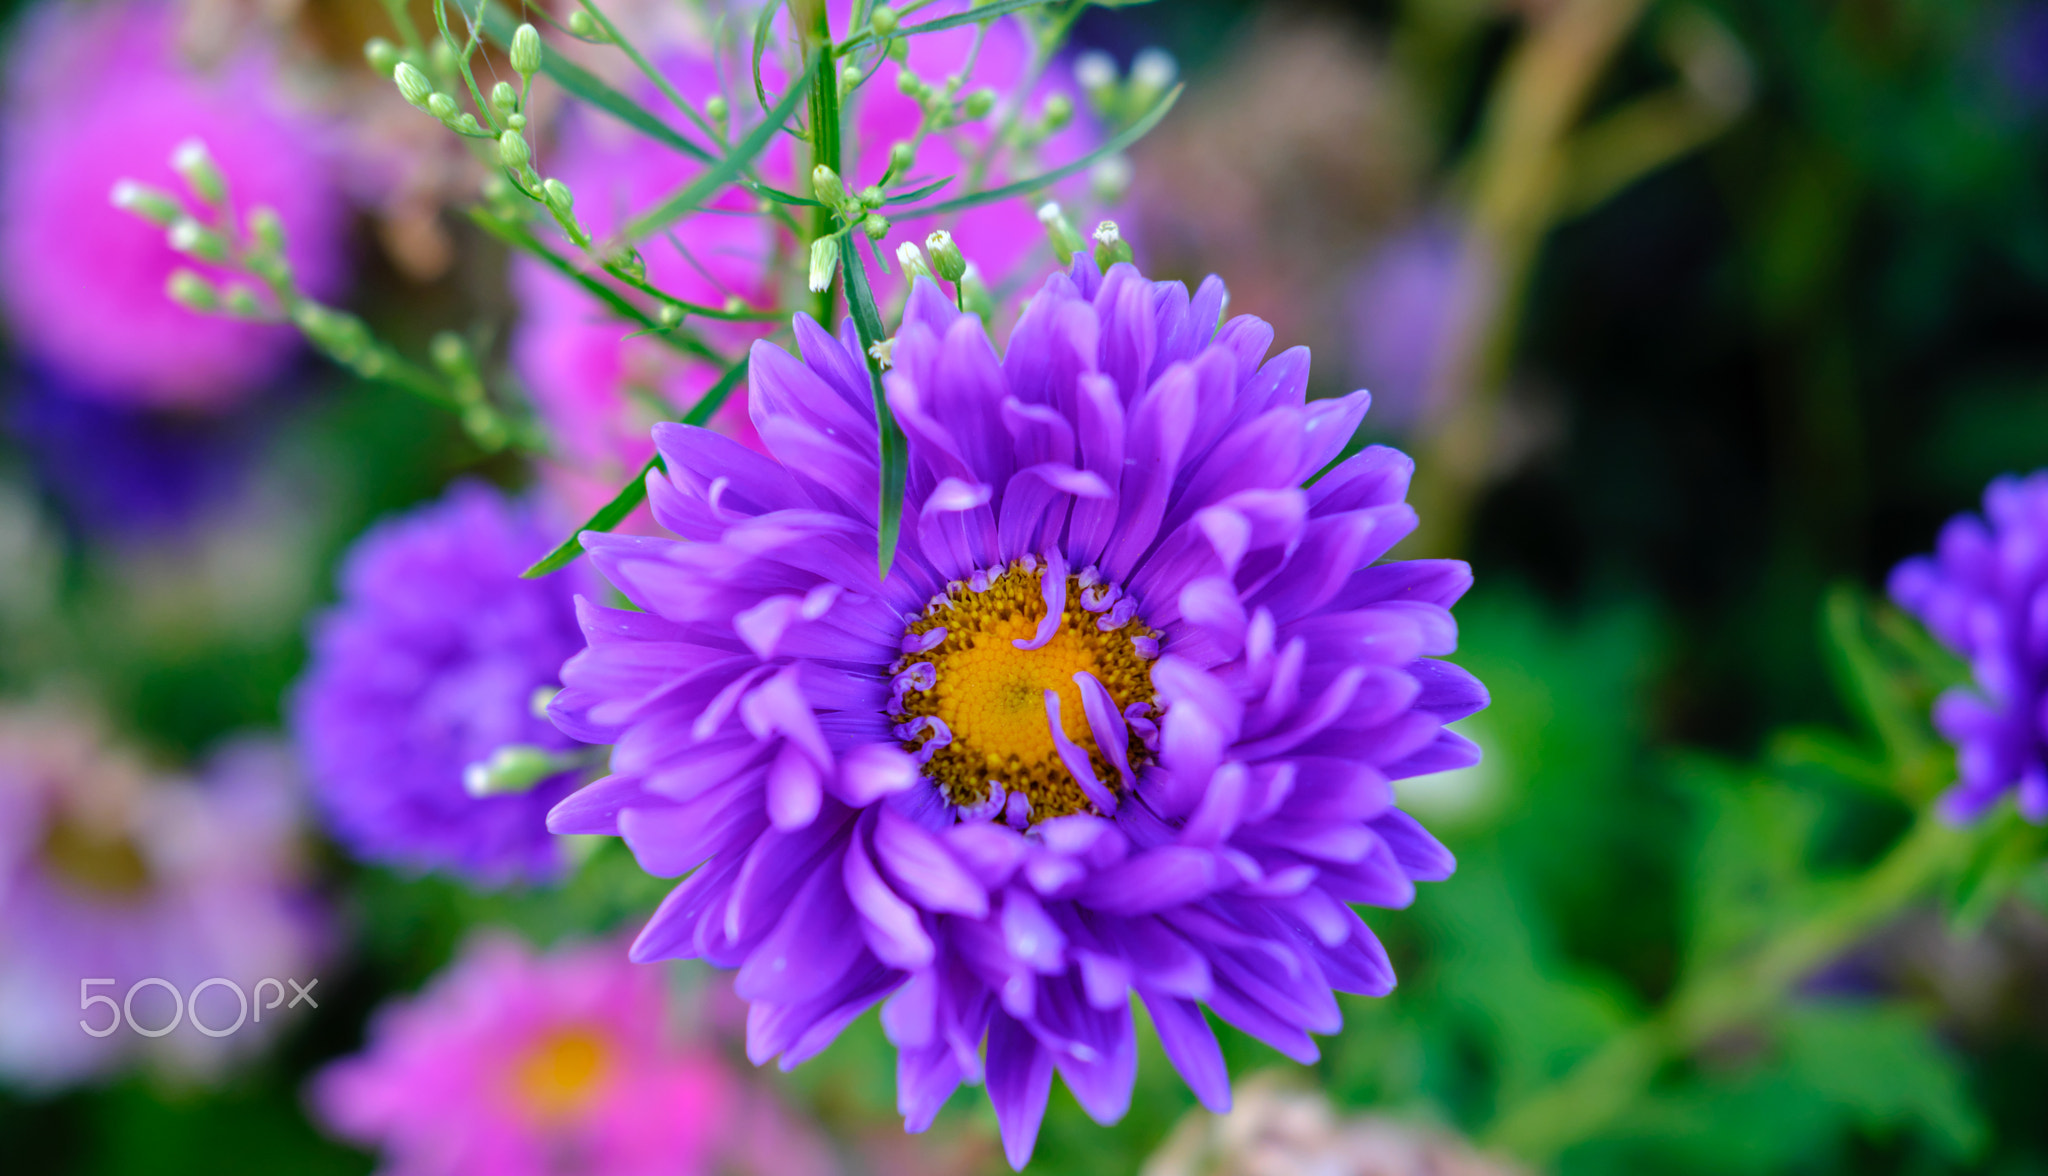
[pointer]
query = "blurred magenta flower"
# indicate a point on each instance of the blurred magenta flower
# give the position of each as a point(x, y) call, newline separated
point(1122, 715)
point(109, 871)
point(429, 665)
point(1984, 594)
point(513, 1064)
point(99, 92)
point(599, 389)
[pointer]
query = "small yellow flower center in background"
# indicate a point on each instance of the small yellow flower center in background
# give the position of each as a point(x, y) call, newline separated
point(96, 862)
point(991, 694)
point(562, 1074)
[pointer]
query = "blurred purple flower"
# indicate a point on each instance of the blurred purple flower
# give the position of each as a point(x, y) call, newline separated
point(1122, 715)
point(98, 92)
point(2020, 52)
point(512, 1064)
point(108, 871)
point(1984, 594)
point(120, 470)
point(428, 664)
point(1405, 309)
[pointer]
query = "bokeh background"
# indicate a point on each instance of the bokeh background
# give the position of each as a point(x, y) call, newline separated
point(1698, 317)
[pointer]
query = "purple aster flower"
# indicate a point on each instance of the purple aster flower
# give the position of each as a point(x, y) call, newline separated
point(1122, 715)
point(99, 92)
point(108, 871)
point(1984, 594)
point(427, 666)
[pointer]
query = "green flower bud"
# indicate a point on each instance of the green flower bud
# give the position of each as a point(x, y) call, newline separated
point(513, 151)
point(444, 59)
point(449, 352)
point(911, 258)
point(627, 260)
point(875, 225)
point(514, 768)
point(1057, 112)
point(1110, 246)
point(946, 259)
point(196, 167)
point(504, 99)
point(717, 110)
point(192, 292)
point(526, 50)
point(382, 56)
point(901, 155)
point(537, 705)
point(560, 200)
point(850, 75)
point(154, 205)
point(583, 26)
point(443, 107)
point(669, 315)
point(516, 121)
point(240, 301)
point(413, 85)
point(872, 196)
point(267, 228)
point(909, 83)
point(1095, 73)
point(1066, 242)
point(979, 104)
point(828, 188)
point(467, 124)
point(734, 304)
point(824, 260)
point(975, 294)
point(883, 20)
point(1151, 73)
point(898, 50)
point(188, 236)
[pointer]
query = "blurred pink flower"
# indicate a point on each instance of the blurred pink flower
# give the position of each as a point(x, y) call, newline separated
point(97, 92)
point(517, 1064)
point(109, 872)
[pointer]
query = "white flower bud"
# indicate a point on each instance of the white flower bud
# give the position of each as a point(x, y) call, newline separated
point(412, 84)
point(1110, 246)
point(192, 292)
point(188, 236)
point(975, 294)
point(537, 705)
point(267, 228)
point(154, 205)
point(1152, 72)
point(196, 167)
point(513, 768)
point(449, 352)
point(1066, 241)
point(1095, 70)
point(824, 260)
point(911, 258)
point(526, 50)
point(1109, 181)
point(947, 261)
point(828, 187)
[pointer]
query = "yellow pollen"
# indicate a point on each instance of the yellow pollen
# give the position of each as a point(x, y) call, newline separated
point(562, 1074)
point(991, 694)
point(106, 864)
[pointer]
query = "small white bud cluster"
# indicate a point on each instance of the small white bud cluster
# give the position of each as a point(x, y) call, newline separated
point(824, 262)
point(852, 208)
point(513, 768)
point(1121, 99)
point(1066, 242)
point(1110, 246)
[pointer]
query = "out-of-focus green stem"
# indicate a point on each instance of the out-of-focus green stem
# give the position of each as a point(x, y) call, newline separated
point(1601, 1088)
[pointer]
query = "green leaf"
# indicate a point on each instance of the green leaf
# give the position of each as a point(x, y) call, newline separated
point(1884, 1065)
point(761, 26)
point(920, 192)
point(867, 322)
point(726, 170)
point(498, 25)
point(1130, 135)
point(978, 15)
point(612, 513)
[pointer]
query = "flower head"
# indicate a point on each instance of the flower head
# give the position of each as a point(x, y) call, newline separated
point(428, 665)
point(1122, 714)
point(98, 93)
point(1984, 594)
point(108, 870)
point(512, 1064)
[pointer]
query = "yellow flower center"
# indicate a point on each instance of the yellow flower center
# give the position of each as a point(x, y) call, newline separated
point(97, 862)
point(990, 693)
point(562, 1075)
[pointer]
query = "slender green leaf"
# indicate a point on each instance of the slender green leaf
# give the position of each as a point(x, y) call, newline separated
point(985, 12)
point(761, 26)
point(1130, 135)
point(726, 170)
point(867, 323)
point(498, 25)
point(612, 513)
point(920, 192)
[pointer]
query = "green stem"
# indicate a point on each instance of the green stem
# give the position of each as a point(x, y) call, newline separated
point(824, 145)
point(1600, 1089)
